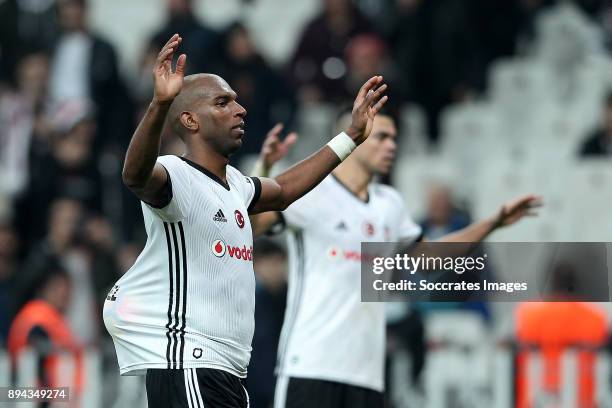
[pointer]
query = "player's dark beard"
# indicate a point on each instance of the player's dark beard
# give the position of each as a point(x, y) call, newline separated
point(224, 145)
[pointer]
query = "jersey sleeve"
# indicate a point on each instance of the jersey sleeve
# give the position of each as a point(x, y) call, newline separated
point(406, 229)
point(249, 187)
point(178, 190)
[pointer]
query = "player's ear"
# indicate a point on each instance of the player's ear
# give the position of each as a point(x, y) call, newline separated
point(190, 121)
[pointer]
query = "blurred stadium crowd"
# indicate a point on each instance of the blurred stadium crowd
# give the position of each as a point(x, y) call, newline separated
point(498, 93)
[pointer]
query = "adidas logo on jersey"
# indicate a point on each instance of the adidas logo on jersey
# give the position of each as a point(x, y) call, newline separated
point(219, 217)
point(342, 226)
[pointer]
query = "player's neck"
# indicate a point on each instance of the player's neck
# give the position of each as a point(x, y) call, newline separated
point(206, 157)
point(354, 177)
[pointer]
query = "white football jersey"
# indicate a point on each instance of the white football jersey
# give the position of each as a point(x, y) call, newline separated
point(328, 333)
point(189, 300)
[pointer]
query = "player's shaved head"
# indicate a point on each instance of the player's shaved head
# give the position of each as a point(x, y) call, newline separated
point(196, 88)
point(206, 114)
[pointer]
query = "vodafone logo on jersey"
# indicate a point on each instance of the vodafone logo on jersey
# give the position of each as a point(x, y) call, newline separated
point(244, 253)
point(333, 252)
point(220, 248)
point(339, 254)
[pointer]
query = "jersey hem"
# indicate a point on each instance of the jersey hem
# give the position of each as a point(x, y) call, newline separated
point(141, 368)
point(335, 377)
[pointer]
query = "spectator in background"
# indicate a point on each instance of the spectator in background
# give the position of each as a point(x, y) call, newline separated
point(505, 27)
point(24, 25)
point(64, 166)
point(437, 54)
point(126, 256)
point(599, 143)
point(22, 121)
point(85, 253)
point(366, 56)
point(443, 217)
point(85, 67)
point(199, 41)
point(263, 92)
point(545, 325)
point(104, 264)
point(41, 324)
point(270, 264)
point(317, 67)
point(141, 85)
point(9, 245)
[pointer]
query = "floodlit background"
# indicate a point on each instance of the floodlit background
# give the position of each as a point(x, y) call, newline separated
point(493, 97)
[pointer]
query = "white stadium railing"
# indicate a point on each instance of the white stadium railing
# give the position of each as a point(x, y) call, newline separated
point(454, 376)
point(462, 378)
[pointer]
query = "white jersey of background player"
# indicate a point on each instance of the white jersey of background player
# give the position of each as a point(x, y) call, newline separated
point(328, 333)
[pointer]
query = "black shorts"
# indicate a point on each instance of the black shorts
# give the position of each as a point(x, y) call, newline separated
point(294, 392)
point(195, 388)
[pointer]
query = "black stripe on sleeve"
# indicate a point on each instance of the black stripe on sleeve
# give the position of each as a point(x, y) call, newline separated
point(178, 297)
point(257, 194)
point(165, 195)
point(184, 312)
point(170, 298)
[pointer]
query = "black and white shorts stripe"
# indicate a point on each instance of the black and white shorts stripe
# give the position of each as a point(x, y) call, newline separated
point(195, 388)
point(193, 392)
point(192, 389)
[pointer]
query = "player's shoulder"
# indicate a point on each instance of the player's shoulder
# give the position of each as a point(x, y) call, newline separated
point(387, 193)
point(170, 160)
point(316, 199)
point(236, 176)
point(324, 189)
point(231, 171)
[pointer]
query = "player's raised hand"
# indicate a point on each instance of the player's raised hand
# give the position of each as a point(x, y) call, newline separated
point(273, 148)
point(520, 207)
point(370, 99)
point(167, 83)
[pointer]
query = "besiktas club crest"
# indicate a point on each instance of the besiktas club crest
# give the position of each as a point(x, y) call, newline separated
point(239, 218)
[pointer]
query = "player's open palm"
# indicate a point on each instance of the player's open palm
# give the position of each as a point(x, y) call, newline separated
point(370, 100)
point(168, 84)
point(520, 207)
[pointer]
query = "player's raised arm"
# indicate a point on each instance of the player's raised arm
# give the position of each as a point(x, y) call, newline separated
point(278, 193)
point(510, 213)
point(272, 151)
point(141, 174)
